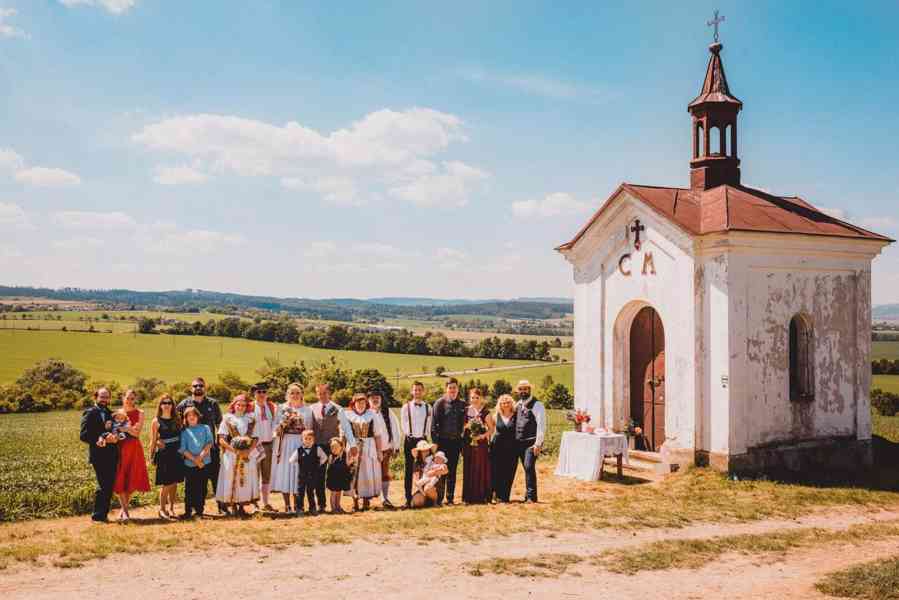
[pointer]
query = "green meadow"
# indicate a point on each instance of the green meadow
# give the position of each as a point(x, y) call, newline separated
point(125, 357)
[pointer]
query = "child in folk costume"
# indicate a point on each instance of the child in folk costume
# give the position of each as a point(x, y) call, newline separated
point(238, 483)
point(308, 459)
point(390, 443)
point(369, 432)
point(292, 418)
point(339, 475)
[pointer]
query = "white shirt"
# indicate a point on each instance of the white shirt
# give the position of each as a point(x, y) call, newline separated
point(322, 457)
point(420, 412)
point(265, 428)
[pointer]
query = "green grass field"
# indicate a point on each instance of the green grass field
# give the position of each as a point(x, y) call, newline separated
point(44, 470)
point(888, 383)
point(884, 350)
point(124, 357)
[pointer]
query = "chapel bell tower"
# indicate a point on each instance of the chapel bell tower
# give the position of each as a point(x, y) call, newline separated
point(714, 114)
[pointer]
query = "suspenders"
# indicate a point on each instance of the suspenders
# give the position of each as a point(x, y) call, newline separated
point(409, 415)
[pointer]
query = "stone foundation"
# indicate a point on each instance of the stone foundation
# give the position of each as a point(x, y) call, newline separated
point(825, 455)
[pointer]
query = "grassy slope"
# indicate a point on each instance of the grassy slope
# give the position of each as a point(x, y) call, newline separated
point(884, 350)
point(124, 357)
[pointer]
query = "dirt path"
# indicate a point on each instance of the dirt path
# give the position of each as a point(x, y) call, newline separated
point(475, 371)
point(410, 570)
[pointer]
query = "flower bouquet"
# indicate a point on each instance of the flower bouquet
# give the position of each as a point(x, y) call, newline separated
point(578, 417)
point(242, 445)
point(476, 428)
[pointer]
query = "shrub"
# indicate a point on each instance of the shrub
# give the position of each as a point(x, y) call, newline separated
point(54, 371)
point(886, 403)
point(558, 396)
point(147, 389)
point(219, 392)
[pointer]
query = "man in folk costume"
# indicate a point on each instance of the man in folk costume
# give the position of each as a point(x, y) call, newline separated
point(211, 416)
point(369, 432)
point(390, 444)
point(448, 421)
point(329, 423)
point(264, 412)
point(530, 429)
point(415, 421)
point(96, 423)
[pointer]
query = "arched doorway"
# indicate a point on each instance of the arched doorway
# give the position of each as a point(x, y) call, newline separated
point(647, 376)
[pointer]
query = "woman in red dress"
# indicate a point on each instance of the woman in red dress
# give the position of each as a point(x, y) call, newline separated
point(476, 482)
point(131, 474)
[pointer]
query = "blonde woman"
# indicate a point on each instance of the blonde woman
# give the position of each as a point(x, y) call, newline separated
point(292, 419)
point(504, 448)
point(131, 474)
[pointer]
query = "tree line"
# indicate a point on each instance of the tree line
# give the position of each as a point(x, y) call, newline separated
point(885, 366)
point(56, 385)
point(342, 337)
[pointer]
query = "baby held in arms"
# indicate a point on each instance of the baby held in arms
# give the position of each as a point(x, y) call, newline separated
point(435, 468)
point(119, 427)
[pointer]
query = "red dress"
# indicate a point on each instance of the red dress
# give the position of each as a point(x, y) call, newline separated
point(476, 483)
point(131, 474)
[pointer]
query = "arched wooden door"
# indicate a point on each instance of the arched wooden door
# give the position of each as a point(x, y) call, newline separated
point(647, 376)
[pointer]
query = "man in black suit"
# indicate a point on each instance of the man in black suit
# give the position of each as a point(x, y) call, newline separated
point(447, 424)
point(101, 451)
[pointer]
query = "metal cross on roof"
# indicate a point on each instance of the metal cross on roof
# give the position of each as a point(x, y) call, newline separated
point(715, 22)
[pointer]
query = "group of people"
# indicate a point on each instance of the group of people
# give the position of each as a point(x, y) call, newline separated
point(312, 453)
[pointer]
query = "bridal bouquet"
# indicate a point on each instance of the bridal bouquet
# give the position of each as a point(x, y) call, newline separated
point(476, 428)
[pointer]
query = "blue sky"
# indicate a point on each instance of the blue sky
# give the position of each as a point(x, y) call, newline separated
point(407, 148)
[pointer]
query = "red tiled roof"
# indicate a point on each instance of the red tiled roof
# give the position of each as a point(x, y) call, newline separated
point(732, 208)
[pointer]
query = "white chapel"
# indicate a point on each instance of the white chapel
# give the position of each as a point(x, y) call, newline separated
point(731, 325)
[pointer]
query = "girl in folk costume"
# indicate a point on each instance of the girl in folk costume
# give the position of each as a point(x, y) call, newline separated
point(131, 474)
point(238, 483)
point(479, 426)
point(339, 476)
point(390, 444)
point(292, 418)
point(370, 432)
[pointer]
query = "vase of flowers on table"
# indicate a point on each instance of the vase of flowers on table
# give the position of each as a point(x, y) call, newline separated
point(579, 417)
point(633, 432)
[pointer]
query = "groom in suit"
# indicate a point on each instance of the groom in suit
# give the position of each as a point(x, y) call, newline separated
point(102, 453)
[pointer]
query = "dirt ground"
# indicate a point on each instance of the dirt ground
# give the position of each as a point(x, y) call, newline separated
point(411, 571)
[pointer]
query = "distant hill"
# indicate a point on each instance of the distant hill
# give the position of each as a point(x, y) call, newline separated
point(885, 312)
point(339, 309)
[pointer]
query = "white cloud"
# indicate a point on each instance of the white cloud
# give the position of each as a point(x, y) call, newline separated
point(10, 160)
point(7, 30)
point(179, 176)
point(451, 259)
point(79, 243)
point(13, 216)
point(47, 177)
point(116, 7)
point(553, 205)
point(448, 188)
point(385, 150)
point(191, 242)
point(90, 220)
point(538, 85)
point(341, 191)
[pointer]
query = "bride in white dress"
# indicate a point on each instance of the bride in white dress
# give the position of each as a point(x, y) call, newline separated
point(293, 417)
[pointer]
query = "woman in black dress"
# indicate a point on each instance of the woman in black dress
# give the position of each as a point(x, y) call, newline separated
point(164, 443)
point(504, 448)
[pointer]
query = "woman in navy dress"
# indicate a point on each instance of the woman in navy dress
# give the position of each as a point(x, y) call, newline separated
point(504, 449)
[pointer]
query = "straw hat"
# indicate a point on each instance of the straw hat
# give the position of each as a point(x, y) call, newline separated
point(523, 383)
point(423, 446)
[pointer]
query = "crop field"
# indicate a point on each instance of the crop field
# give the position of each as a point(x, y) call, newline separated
point(44, 470)
point(888, 383)
point(124, 357)
point(120, 321)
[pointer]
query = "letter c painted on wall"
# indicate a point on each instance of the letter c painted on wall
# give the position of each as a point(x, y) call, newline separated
point(624, 257)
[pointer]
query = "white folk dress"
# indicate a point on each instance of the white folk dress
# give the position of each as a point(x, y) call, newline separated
point(369, 431)
point(238, 478)
point(291, 422)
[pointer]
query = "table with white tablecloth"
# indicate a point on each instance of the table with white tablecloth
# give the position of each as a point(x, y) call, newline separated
point(581, 455)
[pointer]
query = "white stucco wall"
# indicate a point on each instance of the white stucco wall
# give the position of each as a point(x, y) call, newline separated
point(604, 298)
point(772, 279)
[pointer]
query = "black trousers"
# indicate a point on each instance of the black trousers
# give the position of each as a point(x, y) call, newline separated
point(447, 486)
point(529, 460)
point(307, 490)
point(504, 465)
point(409, 464)
point(195, 479)
point(319, 485)
point(105, 471)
